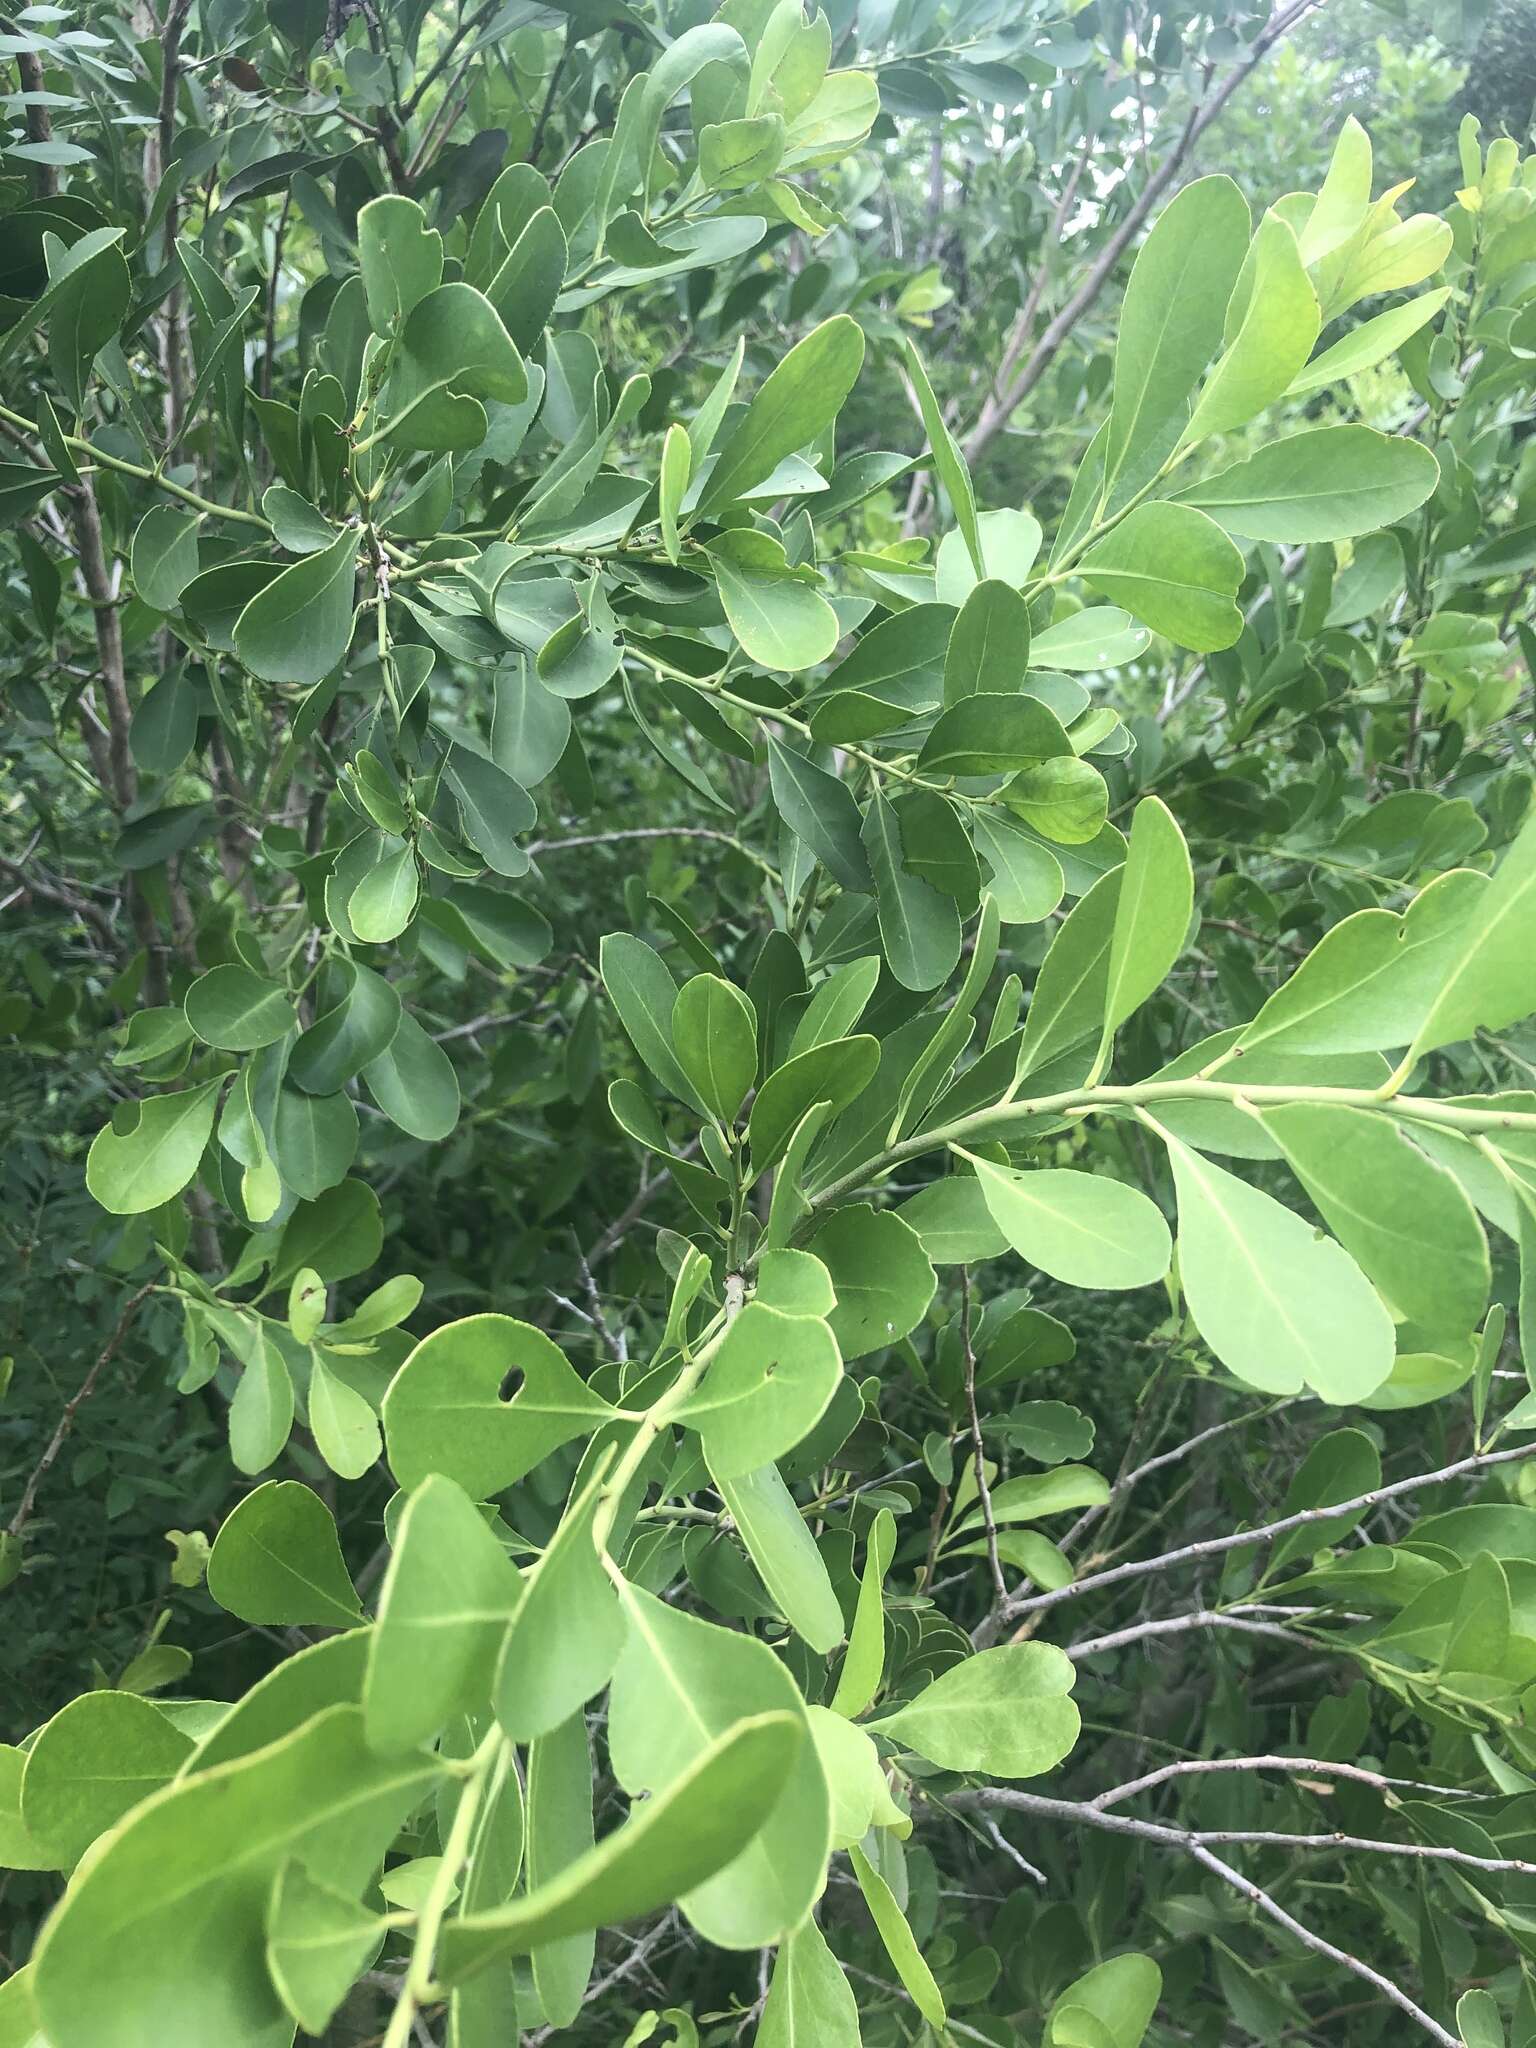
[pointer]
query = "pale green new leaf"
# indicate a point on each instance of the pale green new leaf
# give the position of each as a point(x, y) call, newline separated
point(1279, 326)
point(1004, 1712)
point(1084, 1229)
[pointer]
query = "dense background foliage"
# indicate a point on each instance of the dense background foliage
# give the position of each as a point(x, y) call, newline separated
point(398, 711)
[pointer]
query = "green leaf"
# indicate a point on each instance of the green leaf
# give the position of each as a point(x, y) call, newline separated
point(1066, 800)
point(820, 810)
point(566, 1635)
point(784, 1552)
point(154, 1159)
point(1066, 1489)
point(1329, 483)
point(164, 559)
point(261, 1414)
point(413, 1082)
point(1072, 987)
point(1157, 893)
point(163, 730)
point(1175, 570)
point(883, 1277)
point(1340, 1466)
point(344, 1427)
point(795, 402)
point(298, 627)
point(560, 1801)
point(933, 1064)
point(1082, 1228)
point(810, 2002)
point(900, 1944)
point(1280, 1306)
point(1490, 975)
point(1277, 321)
point(1101, 637)
point(1026, 880)
point(454, 352)
point(237, 1010)
point(682, 1684)
point(1004, 1712)
point(1120, 1996)
point(384, 901)
point(714, 1033)
point(1369, 343)
point(444, 1411)
point(1478, 2020)
point(92, 1763)
point(360, 1025)
point(400, 257)
point(1374, 978)
point(948, 462)
point(864, 1663)
point(671, 1845)
point(837, 1072)
point(1171, 323)
point(340, 1233)
point(447, 1599)
point(952, 1219)
point(1406, 1221)
point(277, 1561)
point(984, 734)
point(318, 1943)
point(919, 924)
point(125, 1941)
point(775, 611)
point(767, 1387)
point(676, 468)
point(988, 651)
point(642, 990)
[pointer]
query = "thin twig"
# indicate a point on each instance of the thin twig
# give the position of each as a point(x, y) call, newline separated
point(1192, 1845)
point(72, 1407)
point(1241, 1539)
point(978, 1460)
point(1294, 1766)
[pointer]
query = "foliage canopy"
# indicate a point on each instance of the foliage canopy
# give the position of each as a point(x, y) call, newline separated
point(706, 712)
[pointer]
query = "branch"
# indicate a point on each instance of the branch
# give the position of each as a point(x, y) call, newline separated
point(1176, 1625)
point(1241, 1539)
point(979, 1463)
point(1193, 1845)
point(998, 409)
point(45, 177)
point(1296, 1766)
point(72, 1407)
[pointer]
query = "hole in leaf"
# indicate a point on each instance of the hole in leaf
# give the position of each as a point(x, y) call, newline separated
point(511, 1383)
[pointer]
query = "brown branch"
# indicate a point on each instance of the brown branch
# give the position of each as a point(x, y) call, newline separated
point(1000, 406)
point(32, 883)
point(72, 1407)
point(45, 177)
